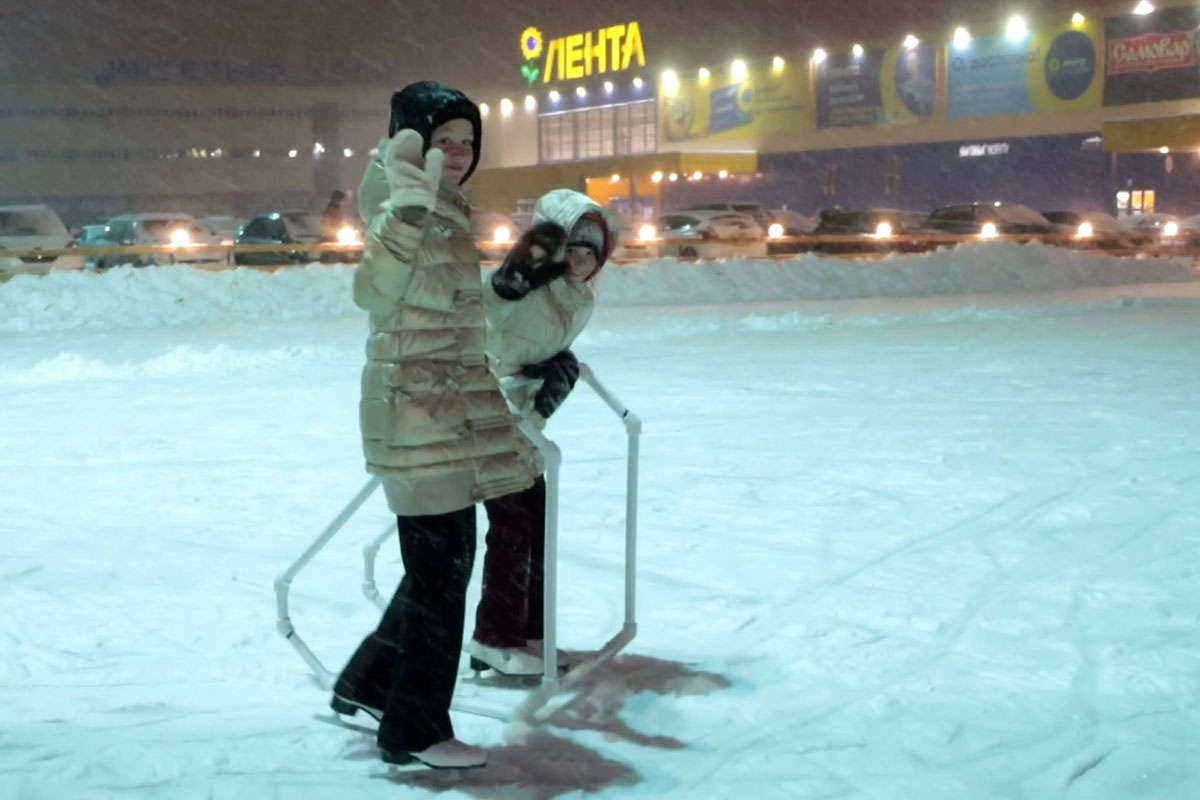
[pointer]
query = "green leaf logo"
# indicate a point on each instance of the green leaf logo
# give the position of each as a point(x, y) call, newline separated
point(530, 72)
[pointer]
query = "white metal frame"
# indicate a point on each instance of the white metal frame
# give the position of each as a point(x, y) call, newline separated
point(552, 682)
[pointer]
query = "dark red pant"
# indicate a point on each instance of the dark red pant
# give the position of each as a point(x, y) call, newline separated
point(510, 608)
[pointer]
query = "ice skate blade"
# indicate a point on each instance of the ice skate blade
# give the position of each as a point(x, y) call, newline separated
point(348, 708)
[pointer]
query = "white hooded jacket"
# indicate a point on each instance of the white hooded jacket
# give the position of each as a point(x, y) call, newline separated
point(547, 320)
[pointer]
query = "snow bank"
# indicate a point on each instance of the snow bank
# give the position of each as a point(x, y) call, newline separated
point(126, 297)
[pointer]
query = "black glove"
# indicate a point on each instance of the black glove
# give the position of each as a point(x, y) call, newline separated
point(530, 263)
point(559, 373)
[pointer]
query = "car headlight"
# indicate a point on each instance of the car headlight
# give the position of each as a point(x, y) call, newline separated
point(883, 230)
point(775, 230)
point(1084, 230)
point(347, 235)
point(1170, 229)
point(501, 234)
point(989, 231)
point(647, 232)
point(180, 237)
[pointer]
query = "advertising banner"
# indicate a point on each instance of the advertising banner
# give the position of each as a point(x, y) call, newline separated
point(766, 100)
point(1051, 69)
point(878, 87)
point(1152, 57)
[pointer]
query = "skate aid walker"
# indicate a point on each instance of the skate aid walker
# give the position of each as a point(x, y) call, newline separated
point(533, 708)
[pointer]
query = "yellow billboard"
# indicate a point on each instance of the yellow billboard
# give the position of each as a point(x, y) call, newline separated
point(747, 100)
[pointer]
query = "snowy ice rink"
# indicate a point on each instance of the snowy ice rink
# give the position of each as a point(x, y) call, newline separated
point(923, 528)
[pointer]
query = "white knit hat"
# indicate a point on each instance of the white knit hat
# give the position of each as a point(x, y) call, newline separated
point(589, 232)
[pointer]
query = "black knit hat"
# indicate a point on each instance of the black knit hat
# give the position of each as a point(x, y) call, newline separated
point(425, 105)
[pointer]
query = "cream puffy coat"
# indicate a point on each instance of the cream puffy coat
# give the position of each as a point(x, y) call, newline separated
point(435, 426)
point(547, 320)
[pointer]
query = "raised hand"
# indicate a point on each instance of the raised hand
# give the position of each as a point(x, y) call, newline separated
point(412, 178)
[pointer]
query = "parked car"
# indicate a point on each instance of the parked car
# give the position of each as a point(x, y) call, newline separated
point(754, 210)
point(1151, 229)
point(701, 233)
point(784, 223)
point(24, 231)
point(182, 233)
point(296, 228)
point(1090, 228)
point(876, 230)
point(989, 219)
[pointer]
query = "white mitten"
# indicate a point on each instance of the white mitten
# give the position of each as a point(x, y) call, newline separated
point(413, 180)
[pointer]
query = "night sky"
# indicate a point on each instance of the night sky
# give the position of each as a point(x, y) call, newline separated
point(469, 43)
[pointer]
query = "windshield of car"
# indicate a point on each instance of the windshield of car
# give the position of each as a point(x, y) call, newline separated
point(675, 221)
point(849, 220)
point(1062, 217)
point(31, 222)
point(302, 223)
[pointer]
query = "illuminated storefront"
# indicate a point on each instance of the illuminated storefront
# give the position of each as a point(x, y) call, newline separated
point(1067, 111)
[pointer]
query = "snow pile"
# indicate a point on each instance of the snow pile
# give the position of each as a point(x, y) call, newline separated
point(975, 268)
point(126, 297)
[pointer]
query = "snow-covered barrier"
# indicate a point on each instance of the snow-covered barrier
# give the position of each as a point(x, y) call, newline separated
point(126, 297)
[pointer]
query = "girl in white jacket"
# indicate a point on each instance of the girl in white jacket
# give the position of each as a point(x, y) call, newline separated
point(537, 302)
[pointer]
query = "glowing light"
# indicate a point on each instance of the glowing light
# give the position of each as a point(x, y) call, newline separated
point(293, 153)
point(1078, 19)
point(819, 56)
point(703, 73)
point(258, 153)
point(988, 231)
point(347, 235)
point(608, 87)
point(670, 81)
point(555, 96)
point(697, 175)
point(656, 177)
point(505, 107)
point(647, 232)
point(775, 231)
point(1144, 7)
point(1164, 150)
point(911, 41)
point(530, 102)
point(672, 177)
point(857, 50)
point(723, 174)
point(1170, 229)
point(501, 234)
point(580, 92)
point(616, 176)
point(1017, 29)
point(883, 230)
point(347, 152)
point(777, 63)
point(484, 108)
point(180, 237)
point(318, 149)
point(962, 39)
point(1084, 230)
point(738, 70)
point(637, 83)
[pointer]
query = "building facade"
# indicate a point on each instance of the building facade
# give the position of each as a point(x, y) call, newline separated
point(1096, 111)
